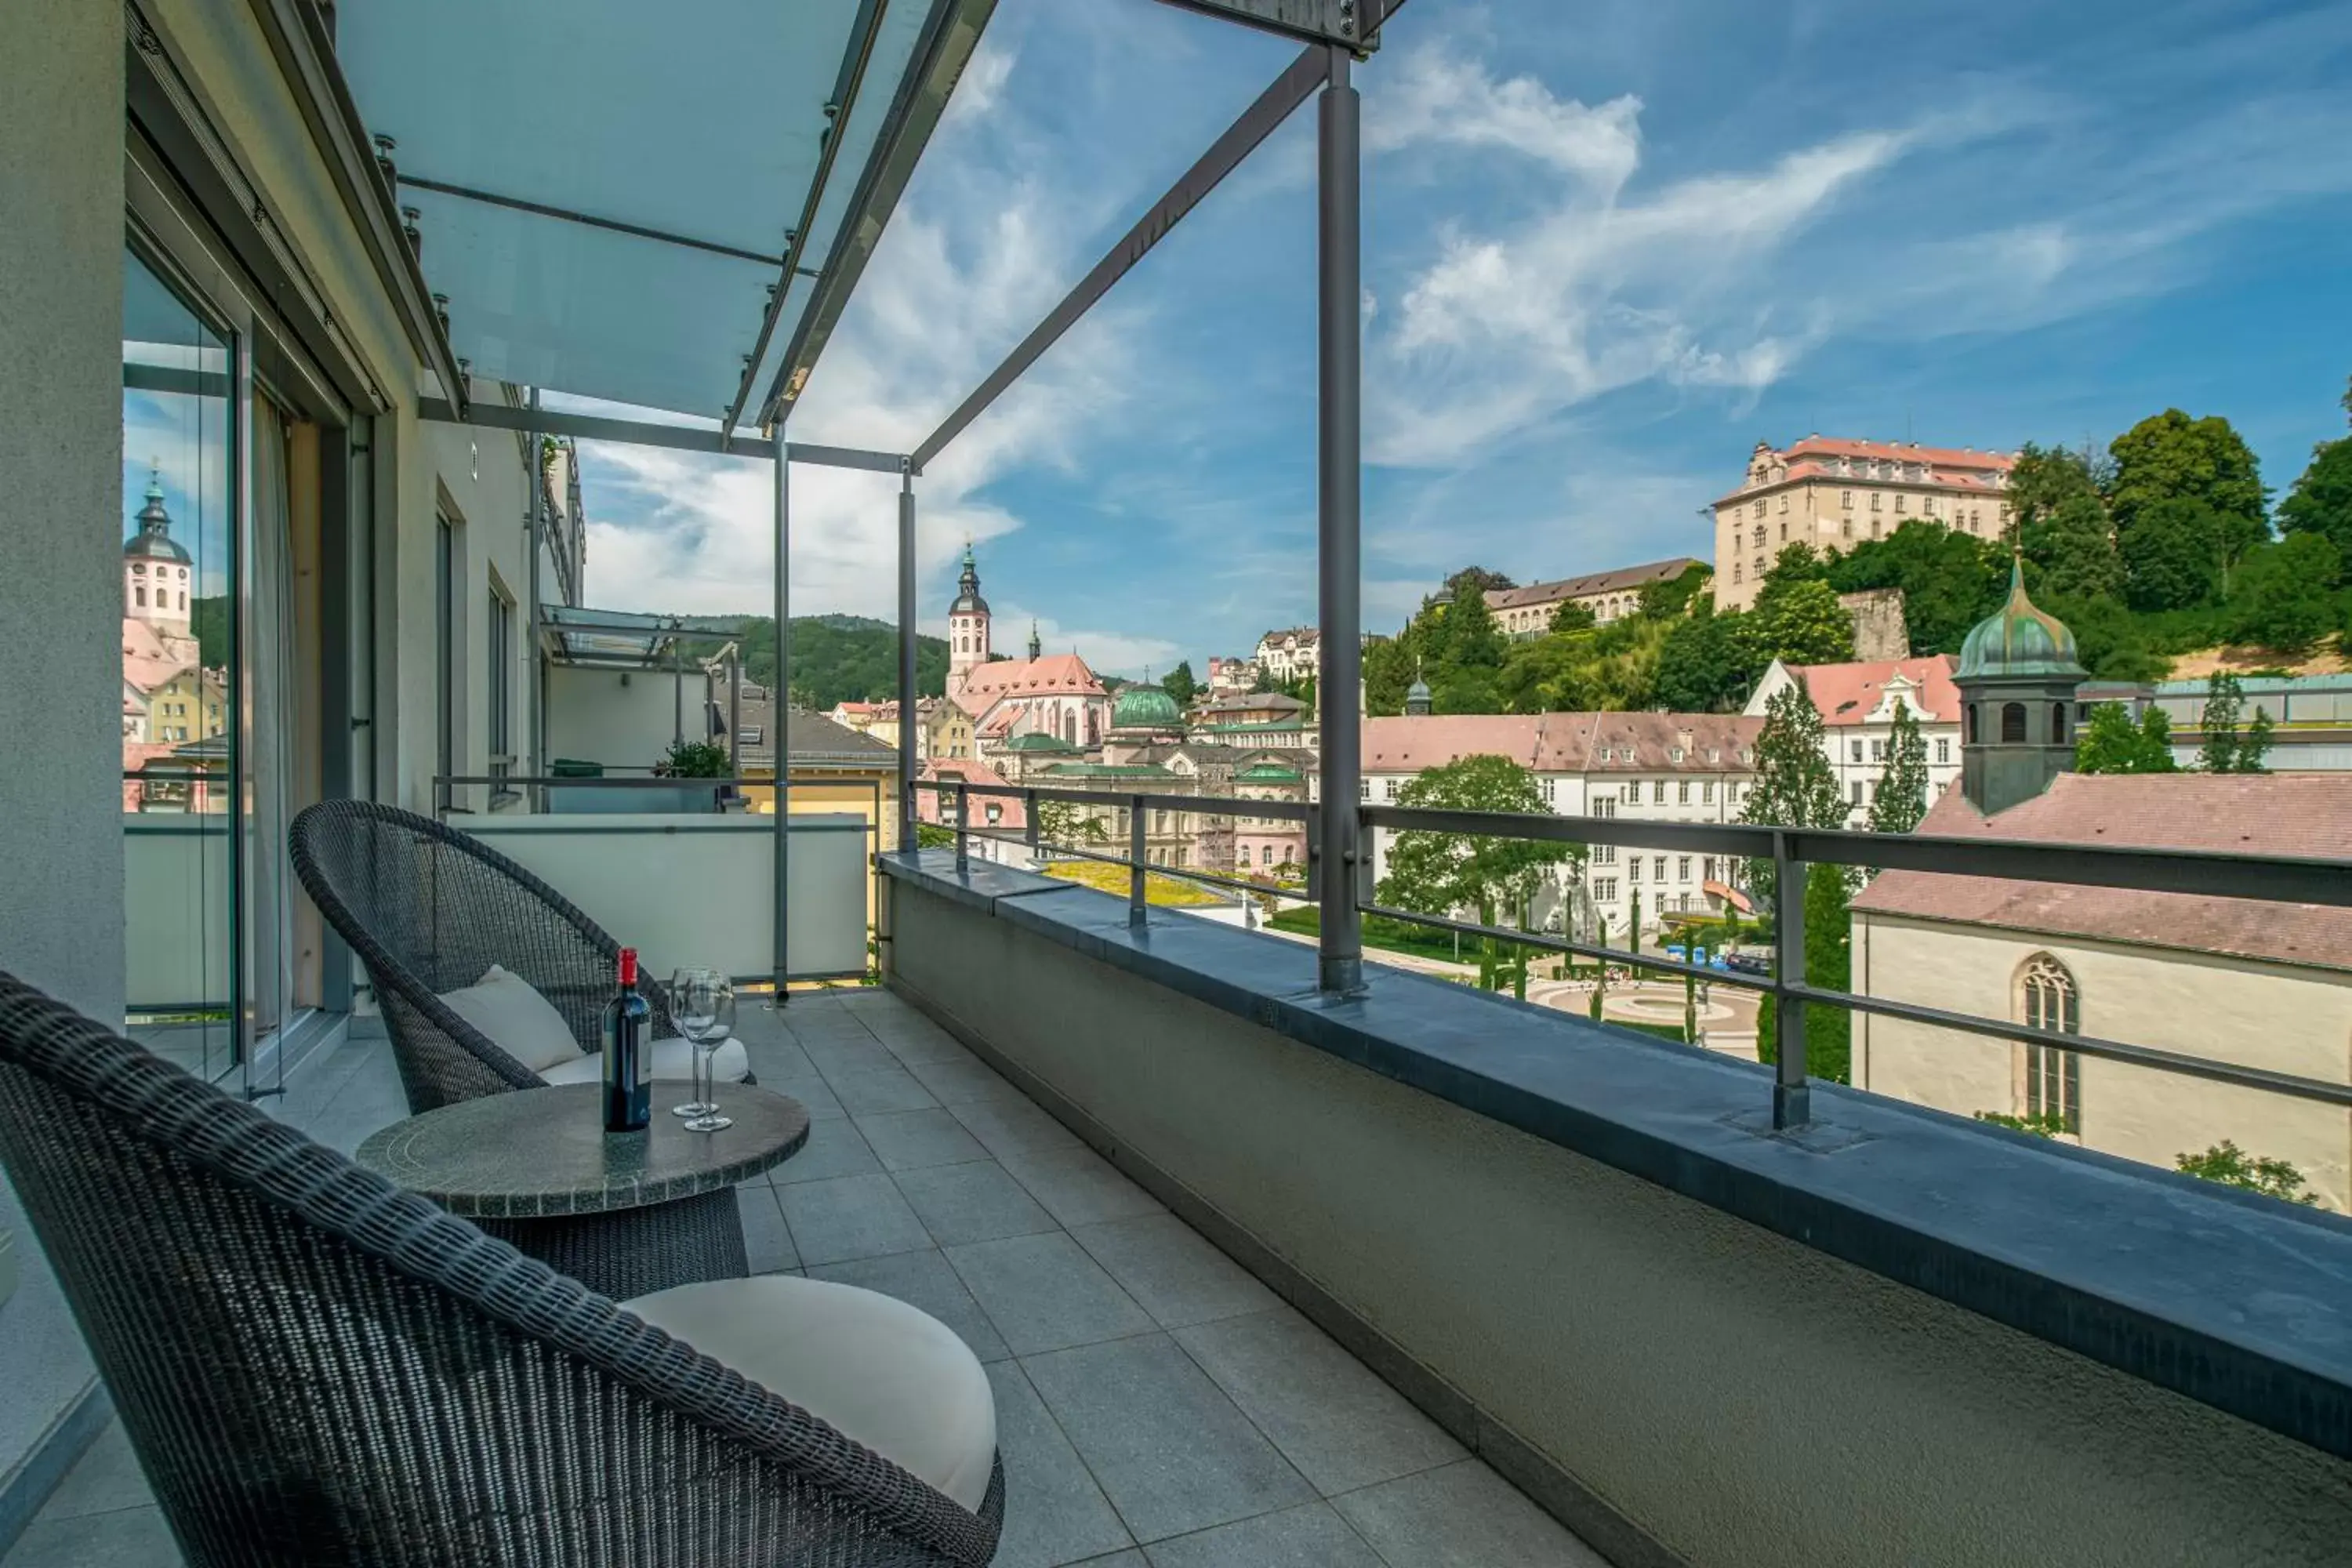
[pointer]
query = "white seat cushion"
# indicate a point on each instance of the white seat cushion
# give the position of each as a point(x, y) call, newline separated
point(510, 1012)
point(673, 1060)
point(872, 1367)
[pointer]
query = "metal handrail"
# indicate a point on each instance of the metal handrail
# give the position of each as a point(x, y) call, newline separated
point(2272, 878)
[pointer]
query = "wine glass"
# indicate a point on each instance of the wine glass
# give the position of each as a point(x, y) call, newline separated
point(689, 992)
point(711, 1008)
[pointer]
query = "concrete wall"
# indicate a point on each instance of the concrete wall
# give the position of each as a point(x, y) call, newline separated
point(2253, 1015)
point(1741, 1398)
point(624, 719)
point(60, 598)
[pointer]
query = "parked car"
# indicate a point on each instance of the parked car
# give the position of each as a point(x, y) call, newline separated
point(1747, 963)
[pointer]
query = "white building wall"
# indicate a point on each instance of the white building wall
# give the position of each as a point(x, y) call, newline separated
point(2235, 1010)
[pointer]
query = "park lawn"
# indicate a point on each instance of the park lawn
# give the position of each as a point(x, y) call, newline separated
point(1157, 890)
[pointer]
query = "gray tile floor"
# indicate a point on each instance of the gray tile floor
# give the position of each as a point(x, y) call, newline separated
point(1157, 1407)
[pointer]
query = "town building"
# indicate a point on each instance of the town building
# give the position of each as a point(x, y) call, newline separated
point(1254, 718)
point(943, 729)
point(1230, 677)
point(1857, 702)
point(2160, 970)
point(1290, 655)
point(2310, 715)
point(1833, 494)
point(1527, 612)
point(172, 704)
point(1666, 767)
point(1055, 693)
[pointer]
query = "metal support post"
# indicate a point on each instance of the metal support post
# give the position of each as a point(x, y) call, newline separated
point(1339, 544)
point(907, 727)
point(780, 710)
point(534, 532)
point(1791, 1093)
point(963, 827)
point(1029, 829)
point(1138, 851)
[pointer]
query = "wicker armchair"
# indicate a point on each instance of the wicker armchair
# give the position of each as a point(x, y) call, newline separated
point(316, 1367)
point(428, 910)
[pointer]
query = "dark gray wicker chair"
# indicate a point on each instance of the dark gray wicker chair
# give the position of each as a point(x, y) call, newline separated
point(428, 908)
point(316, 1367)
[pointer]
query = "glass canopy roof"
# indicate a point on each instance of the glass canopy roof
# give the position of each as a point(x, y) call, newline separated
point(524, 132)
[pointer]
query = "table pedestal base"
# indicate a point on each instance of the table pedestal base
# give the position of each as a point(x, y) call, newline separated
point(623, 1253)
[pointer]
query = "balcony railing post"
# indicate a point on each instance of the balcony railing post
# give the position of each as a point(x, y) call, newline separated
point(1339, 966)
point(1029, 823)
point(1791, 1093)
point(1138, 853)
point(963, 826)
point(909, 722)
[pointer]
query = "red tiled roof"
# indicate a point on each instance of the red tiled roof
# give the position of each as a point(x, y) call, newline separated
point(1563, 742)
point(1591, 582)
point(1961, 469)
point(1900, 452)
point(1845, 693)
point(1056, 675)
point(2308, 815)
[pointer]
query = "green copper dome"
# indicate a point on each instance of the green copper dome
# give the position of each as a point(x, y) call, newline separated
point(1145, 708)
point(2019, 639)
point(1267, 772)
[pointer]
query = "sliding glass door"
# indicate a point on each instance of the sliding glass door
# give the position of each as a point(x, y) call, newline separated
point(179, 670)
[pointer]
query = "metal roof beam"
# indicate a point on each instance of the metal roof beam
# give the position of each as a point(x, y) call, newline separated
point(540, 209)
point(1350, 24)
point(645, 433)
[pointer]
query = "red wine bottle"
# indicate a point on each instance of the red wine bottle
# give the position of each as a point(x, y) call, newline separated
point(628, 1021)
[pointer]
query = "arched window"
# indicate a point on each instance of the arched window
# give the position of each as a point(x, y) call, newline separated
point(140, 595)
point(2012, 722)
point(2057, 723)
point(183, 601)
point(2052, 1087)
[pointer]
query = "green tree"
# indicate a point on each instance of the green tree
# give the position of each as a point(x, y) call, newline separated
point(1950, 580)
point(1702, 662)
point(2073, 548)
point(1798, 621)
point(1473, 640)
point(841, 658)
point(1829, 964)
point(2045, 478)
point(2284, 595)
point(1795, 787)
point(1440, 873)
point(2226, 751)
point(1476, 580)
point(1901, 799)
point(1180, 684)
point(2112, 743)
point(2173, 554)
point(1676, 595)
point(2169, 456)
point(2231, 1166)
point(1067, 822)
point(1572, 617)
point(1633, 923)
point(209, 624)
point(2321, 500)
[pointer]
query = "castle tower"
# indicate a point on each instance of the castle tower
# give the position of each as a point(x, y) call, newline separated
point(155, 585)
point(967, 626)
point(2017, 678)
point(1036, 648)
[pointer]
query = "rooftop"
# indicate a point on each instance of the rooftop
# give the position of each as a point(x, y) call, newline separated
point(2308, 815)
point(1565, 742)
point(1609, 582)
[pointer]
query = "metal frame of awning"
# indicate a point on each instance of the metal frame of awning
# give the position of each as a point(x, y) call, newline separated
point(1335, 35)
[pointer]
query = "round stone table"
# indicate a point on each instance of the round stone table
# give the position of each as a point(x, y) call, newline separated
point(625, 1214)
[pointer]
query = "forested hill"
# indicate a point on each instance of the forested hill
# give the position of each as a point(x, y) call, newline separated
point(843, 658)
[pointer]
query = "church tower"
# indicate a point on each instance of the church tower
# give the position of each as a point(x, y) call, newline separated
point(967, 626)
point(2017, 678)
point(155, 585)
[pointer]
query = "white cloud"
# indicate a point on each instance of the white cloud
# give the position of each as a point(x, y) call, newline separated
point(1430, 97)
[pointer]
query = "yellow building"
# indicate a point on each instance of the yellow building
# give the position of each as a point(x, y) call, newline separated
point(191, 706)
point(834, 769)
point(1833, 494)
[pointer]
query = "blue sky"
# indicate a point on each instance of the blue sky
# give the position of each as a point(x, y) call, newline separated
point(1604, 256)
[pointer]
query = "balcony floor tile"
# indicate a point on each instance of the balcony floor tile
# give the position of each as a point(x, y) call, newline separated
point(923, 1280)
point(1309, 1537)
point(1176, 1275)
point(767, 1241)
point(1171, 1452)
point(1053, 1512)
point(1463, 1516)
point(1342, 1426)
point(851, 1217)
point(835, 1148)
point(878, 1091)
point(909, 1140)
point(1080, 1187)
point(975, 1201)
point(1043, 1293)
